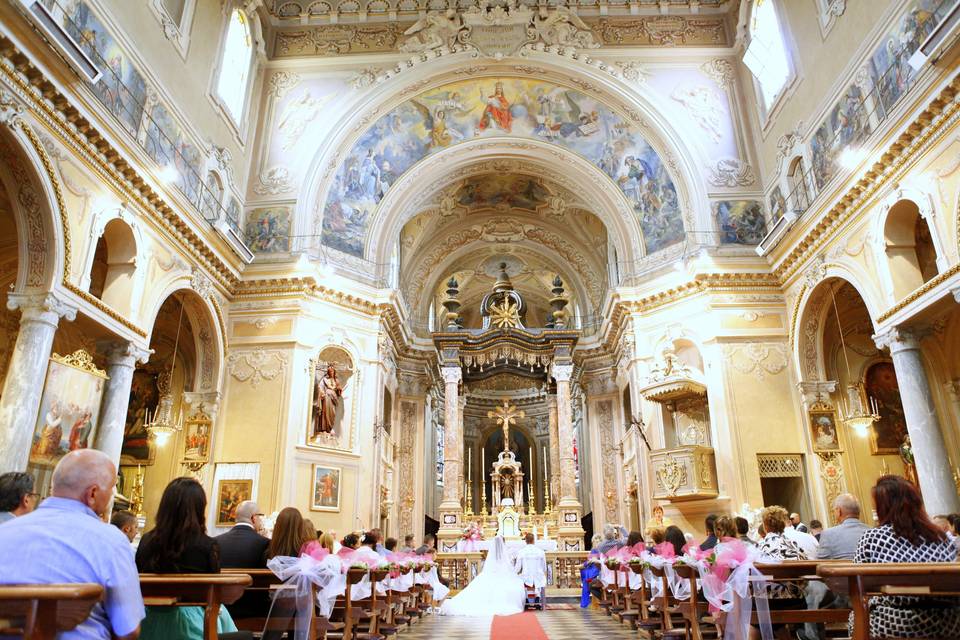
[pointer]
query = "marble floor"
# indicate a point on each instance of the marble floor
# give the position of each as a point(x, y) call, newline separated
point(572, 624)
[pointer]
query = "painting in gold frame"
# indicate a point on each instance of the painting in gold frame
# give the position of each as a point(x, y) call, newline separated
point(230, 493)
point(196, 441)
point(823, 428)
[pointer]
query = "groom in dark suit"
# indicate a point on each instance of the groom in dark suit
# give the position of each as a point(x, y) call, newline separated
point(244, 548)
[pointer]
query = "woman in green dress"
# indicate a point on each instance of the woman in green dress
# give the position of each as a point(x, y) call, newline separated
point(179, 544)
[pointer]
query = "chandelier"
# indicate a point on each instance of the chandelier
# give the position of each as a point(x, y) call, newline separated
point(162, 424)
point(857, 411)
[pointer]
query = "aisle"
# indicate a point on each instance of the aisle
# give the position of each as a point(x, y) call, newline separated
point(574, 624)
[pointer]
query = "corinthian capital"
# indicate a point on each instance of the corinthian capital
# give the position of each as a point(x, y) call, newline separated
point(125, 354)
point(561, 372)
point(451, 375)
point(899, 339)
point(47, 307)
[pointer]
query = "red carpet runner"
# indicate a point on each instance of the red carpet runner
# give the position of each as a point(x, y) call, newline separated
point(521, 626)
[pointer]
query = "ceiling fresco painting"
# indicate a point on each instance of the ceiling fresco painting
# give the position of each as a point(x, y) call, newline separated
point(518, 107)
point(498, 191)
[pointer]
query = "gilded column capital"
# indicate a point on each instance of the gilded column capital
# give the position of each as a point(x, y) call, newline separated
point(46, 307)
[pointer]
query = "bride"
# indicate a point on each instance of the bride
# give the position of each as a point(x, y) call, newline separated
point(496, 591)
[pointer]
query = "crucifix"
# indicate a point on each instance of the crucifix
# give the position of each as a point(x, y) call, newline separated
point(506, 415)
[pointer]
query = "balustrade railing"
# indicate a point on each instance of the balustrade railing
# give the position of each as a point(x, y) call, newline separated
point(563, 569)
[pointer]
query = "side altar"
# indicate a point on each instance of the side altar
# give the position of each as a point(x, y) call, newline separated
point(541, 355)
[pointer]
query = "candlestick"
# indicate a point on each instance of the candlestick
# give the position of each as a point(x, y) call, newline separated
point(469, 463)
point(544, 464)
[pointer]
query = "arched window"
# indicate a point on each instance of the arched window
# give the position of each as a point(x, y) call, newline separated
point(796, 178)
point(911, 255)
point(766, 56)
point(114, 263)
point(235, 65)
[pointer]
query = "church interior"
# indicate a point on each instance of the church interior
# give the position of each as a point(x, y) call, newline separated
point(483, 268)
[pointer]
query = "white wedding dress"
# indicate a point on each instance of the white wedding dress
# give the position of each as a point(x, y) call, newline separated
point(496, 591)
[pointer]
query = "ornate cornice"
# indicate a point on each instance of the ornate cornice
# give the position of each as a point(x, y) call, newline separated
point(941, 112)
point(57, 112)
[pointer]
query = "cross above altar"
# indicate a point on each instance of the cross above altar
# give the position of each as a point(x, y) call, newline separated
point(506, 415)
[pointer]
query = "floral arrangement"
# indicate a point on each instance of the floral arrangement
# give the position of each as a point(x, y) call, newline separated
point(473, 532)
point(429, 564)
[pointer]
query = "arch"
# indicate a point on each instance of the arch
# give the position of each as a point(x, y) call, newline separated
point(644, 113)
point(113, 277)
point(799, 190)
point(813, 308)
point(911, 256)
point(208, 340)
point(43, 249)
point(212, 195)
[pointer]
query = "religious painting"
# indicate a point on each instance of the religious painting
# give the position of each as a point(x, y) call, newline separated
point(889, 432)
point(326, 488)
point(520, 107)
point(144, 398)
point(328, 398)
point(778, 205)
point(121, 88)
point(268, 230)
point(740, 221)
point(69, 408)
point(823, 429)
point(230, 493)
point(495, 191)
point(196, 441)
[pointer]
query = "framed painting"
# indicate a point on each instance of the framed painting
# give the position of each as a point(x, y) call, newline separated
point(823, 428)
point(69, 408)
point(230, 493)
point(889, 432)
point(138, 448)
point(196, 441)
point(326, 488)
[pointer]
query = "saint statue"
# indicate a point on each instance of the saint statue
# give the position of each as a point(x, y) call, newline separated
point(326, 398)
point(506, 486)
point(909, 468)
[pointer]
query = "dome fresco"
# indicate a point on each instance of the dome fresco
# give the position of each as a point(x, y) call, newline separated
point(517, 107)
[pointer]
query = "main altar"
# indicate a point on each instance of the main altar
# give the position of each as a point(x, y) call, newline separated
point(520, 488)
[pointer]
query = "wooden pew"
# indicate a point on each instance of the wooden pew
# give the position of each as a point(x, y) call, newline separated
point(693, 608)
point(346, 615)
point(40, 611)
point(799, 571)
point(207, 590)
point(641, 597)
point(862, 581)
point(267, 583)
point(667, 605)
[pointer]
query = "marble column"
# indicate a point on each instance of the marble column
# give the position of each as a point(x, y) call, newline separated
point(39, 315)
point(451, 511)
point(122, 358)
point(554, 449)
point(929, 449)
point(568, 485)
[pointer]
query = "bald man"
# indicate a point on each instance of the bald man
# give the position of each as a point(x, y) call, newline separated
point(66, 540)
point(243, 547)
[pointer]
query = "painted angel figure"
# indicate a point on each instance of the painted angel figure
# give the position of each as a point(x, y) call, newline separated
point(327, 393)
point(436, 124)
point(433, 31)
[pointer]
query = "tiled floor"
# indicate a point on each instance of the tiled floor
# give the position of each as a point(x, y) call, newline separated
point(558, 625)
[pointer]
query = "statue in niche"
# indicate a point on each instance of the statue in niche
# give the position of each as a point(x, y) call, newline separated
point(327, 393)
point(506, 486)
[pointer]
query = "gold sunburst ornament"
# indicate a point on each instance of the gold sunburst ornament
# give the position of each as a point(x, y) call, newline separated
point(504, 315)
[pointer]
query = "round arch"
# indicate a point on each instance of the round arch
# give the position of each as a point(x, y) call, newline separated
point(43, 246)
point(813, 307)
point(681, 156)
point(208, 341)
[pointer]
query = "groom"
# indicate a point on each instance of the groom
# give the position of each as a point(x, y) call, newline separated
point(531, 564)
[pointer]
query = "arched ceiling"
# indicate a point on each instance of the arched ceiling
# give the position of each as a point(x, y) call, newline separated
point(535, 226)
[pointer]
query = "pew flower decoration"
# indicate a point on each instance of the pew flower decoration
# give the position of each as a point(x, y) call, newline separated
point(612, 562)
point(429, 564)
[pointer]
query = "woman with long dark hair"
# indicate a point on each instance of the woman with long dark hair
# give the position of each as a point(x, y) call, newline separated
point(907, 534)
point(179, 544)
point(674, 535)
point(289, 535)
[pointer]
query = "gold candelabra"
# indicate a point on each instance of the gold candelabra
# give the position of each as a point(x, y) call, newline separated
point(468, 499)
point(530, 509)
point(483, 498)
point(136, 496)
point(547, 507)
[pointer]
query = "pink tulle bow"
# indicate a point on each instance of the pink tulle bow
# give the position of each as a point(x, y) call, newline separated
point(314, 550)
point(731, 553)
point(665, 550)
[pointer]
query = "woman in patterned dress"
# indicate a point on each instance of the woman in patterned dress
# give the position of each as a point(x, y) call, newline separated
point(776, 547)
point(906, 534)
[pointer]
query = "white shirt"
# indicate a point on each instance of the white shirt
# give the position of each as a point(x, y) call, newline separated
point(807, 543)
point(531, 563)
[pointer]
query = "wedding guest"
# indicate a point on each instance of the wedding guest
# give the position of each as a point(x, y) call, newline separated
point(367, 550)
point(243, 547)
point(775, 546)
point(289, 535)
point(610, 540)
point(126, 522)
point(797, 524)
point(428, 546)
point(328, 542)
point(803, 539)
point(595, 542)
point(724, 528)
point(178, 543)
point(309, 531)
point(390, 545)
point(16, 495)
point(378, 547)
point(674, 535)
point(655, 536)
point(711, 540)
point(906, 534)
point(743, 529)
point(65, 540)
point(816, 528)
point(407, 544)
point(634, 538)
point(349, 544)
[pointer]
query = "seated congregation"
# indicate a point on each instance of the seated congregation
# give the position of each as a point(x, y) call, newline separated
point(787, 579)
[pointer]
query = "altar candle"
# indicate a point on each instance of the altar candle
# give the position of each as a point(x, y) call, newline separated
point(544, 464)
point(531, 459)
point(469, 463)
